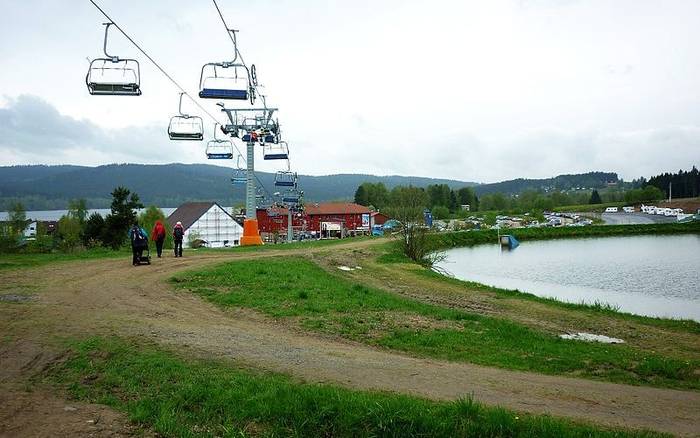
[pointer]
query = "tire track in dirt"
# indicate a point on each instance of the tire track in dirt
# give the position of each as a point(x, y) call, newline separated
point(112, 297)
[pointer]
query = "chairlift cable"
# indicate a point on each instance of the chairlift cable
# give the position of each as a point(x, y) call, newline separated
point(238, 52)
point(162, 70)
point(177, 85)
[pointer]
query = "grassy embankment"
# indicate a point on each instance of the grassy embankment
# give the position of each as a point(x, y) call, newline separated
point(184, 397)
point(300, 292)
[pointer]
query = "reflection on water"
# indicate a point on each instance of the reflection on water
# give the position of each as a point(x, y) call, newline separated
point(646, 275)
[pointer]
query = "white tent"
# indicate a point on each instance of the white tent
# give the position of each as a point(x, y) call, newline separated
point(209, 222)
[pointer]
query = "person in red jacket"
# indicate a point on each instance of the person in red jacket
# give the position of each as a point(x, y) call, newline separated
point(158, 236)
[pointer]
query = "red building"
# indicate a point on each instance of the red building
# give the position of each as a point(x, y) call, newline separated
point(379, 218)
point(352, 218)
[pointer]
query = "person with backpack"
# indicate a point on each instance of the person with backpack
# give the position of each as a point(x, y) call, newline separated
point(139, 242)
point(158, 236)
point(178, 234)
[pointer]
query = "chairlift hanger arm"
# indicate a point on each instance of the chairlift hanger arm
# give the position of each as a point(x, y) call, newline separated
point(104, 47)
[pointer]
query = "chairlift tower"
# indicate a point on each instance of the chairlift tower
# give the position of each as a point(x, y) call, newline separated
point(247, 124)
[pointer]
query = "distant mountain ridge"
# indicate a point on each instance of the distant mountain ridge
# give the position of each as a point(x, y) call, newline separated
point(42, 187)
point(169, 185)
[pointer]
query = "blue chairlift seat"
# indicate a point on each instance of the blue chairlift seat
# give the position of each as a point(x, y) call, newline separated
point(226, 80)
point(270, 139)
point(219, 150)
point(219, 156)
point(222, 93)
point(240, 176)
point(275, 151)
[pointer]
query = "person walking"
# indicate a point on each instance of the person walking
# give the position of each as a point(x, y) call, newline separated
point(139, 242)
point(178, 234)
point(158, 236)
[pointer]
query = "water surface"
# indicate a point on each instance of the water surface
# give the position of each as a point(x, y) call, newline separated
point(645, 275)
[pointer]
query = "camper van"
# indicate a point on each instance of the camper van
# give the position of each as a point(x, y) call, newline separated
point(611, 210)
point(628, 209)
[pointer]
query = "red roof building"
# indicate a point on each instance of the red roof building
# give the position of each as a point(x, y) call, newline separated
point(353, 218)
point(379, 218)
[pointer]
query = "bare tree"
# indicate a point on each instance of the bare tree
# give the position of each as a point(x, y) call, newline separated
point(408, 208)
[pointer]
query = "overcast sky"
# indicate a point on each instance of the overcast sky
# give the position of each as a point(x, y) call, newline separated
point(472, 90)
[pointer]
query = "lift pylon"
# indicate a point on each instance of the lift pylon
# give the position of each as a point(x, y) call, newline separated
point(245, 122)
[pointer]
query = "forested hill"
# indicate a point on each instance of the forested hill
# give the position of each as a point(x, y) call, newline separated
point(51, 187)
point(588, 180)
point(169, 185)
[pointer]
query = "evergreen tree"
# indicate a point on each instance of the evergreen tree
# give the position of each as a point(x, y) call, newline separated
point(94, 229)
point(361, 195)
point(123, 215)
point(595, 198)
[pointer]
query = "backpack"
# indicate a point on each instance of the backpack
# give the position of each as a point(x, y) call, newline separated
point(137, 237)
point(178, 233)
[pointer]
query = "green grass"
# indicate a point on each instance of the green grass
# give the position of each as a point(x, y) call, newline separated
point(29, 260)
point(184, 398)
point(306, 244)
point(297, 290)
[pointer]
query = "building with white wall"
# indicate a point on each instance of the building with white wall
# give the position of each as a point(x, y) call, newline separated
point(209, 222)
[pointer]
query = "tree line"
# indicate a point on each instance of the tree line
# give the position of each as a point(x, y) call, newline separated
point(684, 184)
point(439, 198)
point(76, 230)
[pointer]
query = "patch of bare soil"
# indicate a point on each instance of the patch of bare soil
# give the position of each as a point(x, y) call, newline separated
point(111, 297)
point(40, 412)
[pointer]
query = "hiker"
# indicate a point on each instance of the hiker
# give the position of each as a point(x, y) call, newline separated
point(139, 242)
point(178, 234)
point(158, 236)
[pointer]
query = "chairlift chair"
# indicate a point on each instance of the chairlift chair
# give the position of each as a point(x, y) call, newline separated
point(239, 177)
point(226, 80)
point(291, 197)
point(219, 149)
point(240, 174)
point(112, 75)
point(286, 179)
point(185, 127)
point(276, 151)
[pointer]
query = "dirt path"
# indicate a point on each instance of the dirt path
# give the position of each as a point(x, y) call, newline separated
point(110, 296)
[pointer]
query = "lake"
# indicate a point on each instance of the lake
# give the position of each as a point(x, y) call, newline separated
point(645, 275)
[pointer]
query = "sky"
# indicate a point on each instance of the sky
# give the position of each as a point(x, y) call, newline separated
point(471, 90)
